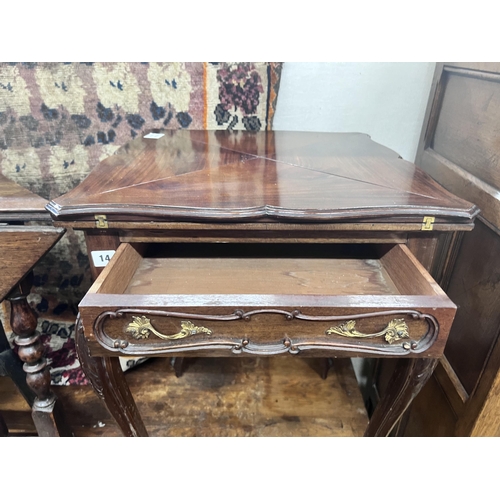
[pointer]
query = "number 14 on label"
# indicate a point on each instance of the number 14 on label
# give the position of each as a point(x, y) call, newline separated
point(100, 258)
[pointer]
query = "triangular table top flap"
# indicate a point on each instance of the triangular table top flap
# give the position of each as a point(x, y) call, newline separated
point(219, 175)
point(22, 246)
point(18, 203)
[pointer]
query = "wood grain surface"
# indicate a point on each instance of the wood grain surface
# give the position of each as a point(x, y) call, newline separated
point(261, 276)
point(21, 247)
point(208, 175)
point(17, 203)
point(321, 292)
point(233, 397)
point(465, 134)
point(265, 269)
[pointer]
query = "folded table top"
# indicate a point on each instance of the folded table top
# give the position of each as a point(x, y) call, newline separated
point(272, 177)
point(19, 204)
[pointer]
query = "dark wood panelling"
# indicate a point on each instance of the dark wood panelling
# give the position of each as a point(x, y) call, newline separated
point(468, 128)
point(475, 288)
point(460, 148)
point(431, 402)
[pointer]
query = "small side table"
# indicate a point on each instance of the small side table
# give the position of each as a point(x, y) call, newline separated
point(218, 244)
point(21, 247)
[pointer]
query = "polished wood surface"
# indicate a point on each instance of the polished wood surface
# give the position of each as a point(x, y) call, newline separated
point(108, 381)
point(459, 147)
point(208, 175)
point(231, 397)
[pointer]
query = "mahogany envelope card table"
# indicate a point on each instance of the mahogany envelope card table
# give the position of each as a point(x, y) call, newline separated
point(21, 247)
point(223, 244)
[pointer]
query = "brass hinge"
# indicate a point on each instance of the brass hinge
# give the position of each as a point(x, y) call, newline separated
point(428, 223)
point(101, 221)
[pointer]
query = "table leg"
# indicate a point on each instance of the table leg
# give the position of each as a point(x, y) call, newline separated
point(408, 378)
point(108, 381)
point(326, 364)
point(11, 366)
point(45, 413)
point(178, 366)
point(4, 431)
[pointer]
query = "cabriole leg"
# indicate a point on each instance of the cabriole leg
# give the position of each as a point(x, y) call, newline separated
point(108, 381)
point(408, 378)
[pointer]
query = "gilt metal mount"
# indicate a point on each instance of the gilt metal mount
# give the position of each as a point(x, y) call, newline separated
point(101, 221)
point(396, 330)
point(141, 328)
point(428, 223)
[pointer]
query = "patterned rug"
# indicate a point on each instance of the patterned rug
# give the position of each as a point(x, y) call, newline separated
point(59, 120)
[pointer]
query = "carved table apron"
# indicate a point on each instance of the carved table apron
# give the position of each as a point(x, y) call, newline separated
point(263, 244)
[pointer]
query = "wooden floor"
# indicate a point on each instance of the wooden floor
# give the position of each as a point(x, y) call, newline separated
point(217, 397)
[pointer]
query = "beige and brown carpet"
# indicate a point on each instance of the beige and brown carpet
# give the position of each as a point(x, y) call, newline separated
point(58, 120)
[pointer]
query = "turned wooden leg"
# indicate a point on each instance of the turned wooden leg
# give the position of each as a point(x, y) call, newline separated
point(45, 412)
point(408, 378)
point(108, 381)
point(11, 366)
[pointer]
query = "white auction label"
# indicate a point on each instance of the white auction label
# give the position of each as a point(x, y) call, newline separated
point(101, 257)
point(153, 135)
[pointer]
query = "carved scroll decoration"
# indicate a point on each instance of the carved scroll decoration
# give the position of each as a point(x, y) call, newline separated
point(396, 330)
point(141, 327)
point(245, 345)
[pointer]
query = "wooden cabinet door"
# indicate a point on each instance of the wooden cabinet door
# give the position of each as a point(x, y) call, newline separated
point(460, 148)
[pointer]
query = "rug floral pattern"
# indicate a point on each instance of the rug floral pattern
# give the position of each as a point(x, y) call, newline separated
point(59, 120)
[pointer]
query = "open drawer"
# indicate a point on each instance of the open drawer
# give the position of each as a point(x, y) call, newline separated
point(258, 299)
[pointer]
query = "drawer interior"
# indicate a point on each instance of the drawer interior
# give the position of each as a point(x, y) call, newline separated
point(143, 299)
point(265, 269)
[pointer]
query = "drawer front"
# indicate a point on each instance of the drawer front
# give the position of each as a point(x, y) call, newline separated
point(267, 331)
point(144, 306)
